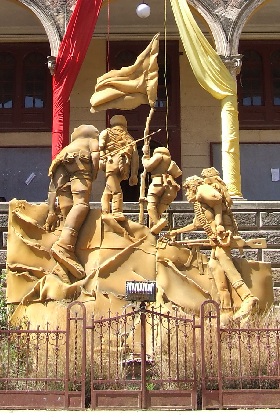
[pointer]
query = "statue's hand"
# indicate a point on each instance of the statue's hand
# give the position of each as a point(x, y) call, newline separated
point(52, 222)
point(102, 164)
point(133, 180)
point(224, 238)
point(146, 150)
point(220, 229)
point(169, 235)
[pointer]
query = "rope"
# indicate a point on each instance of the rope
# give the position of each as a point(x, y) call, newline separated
point(108, 37)
point(165, 72)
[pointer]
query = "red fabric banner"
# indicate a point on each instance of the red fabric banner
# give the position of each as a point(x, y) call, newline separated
point(70, 57)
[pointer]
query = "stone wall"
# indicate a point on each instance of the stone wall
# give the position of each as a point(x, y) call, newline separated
point(255, 219)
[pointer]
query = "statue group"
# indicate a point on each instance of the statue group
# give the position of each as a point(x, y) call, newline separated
point(88, 254)
point(64, 250)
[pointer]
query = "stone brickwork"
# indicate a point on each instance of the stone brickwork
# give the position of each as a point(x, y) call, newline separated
point(254, 219)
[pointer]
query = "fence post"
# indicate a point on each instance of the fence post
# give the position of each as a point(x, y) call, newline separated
point(143, 356)
point(82, 319)
point(214, 345)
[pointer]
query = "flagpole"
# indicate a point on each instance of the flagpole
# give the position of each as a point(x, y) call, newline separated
point(142, 197)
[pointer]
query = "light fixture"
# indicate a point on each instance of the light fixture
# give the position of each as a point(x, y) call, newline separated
point(143, 10)
point(51, 64)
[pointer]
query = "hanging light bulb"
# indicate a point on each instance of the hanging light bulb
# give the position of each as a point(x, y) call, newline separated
point(143, 10)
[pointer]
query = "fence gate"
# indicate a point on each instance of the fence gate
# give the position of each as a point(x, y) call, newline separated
point(142, 359)
point(43, 368)
point(240, 363)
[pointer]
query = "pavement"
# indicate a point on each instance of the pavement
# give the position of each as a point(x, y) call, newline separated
point(140, 414)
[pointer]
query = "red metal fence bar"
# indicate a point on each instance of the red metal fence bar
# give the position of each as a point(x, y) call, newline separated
point(75, 375)
point(245, 371)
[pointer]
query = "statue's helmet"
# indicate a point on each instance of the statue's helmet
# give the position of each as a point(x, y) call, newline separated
point(210, 172)
point(192, 182)
point(162, 150)
point(86, 131)
point(118, 120)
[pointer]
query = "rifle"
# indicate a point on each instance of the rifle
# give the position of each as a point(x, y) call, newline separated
point(132, 142)
point(142, 197)
point(235, 242)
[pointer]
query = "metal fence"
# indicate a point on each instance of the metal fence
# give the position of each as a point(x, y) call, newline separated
point(141, 359)
point(240, 364)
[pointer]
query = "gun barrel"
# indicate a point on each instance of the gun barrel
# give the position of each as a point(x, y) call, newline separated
point(236, 242)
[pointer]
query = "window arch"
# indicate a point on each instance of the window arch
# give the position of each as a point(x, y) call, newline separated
point(252, 79)
point(34, 83)
point(259, 85)
point(25, 88)
point(7, 80)
point(275, 75)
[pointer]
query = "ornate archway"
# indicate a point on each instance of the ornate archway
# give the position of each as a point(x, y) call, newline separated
point(53, 16)
point(226, 21)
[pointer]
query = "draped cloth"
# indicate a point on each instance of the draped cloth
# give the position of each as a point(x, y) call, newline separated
point(130, 86)
point(70, 57)
point(214, 77)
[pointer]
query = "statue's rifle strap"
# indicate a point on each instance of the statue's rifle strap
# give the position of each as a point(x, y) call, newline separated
point(119, 149)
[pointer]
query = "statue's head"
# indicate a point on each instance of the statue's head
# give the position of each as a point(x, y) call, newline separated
point(118, 120)
point(190, 186)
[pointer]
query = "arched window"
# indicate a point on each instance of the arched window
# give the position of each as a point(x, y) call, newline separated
point(275, 75)
point(34, 81)
point(252, 79)
point(7, 80)
point(25, 88)
point(259, 85)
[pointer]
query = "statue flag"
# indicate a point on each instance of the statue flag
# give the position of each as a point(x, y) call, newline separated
point(130, 86)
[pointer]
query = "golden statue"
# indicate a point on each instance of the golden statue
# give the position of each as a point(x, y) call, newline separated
point(72, 173)
point(119, 159)
point(63, 251)
point(213, 214)
point(163, 188)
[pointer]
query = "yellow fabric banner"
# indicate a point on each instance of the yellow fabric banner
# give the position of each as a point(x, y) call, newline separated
point(214, 77)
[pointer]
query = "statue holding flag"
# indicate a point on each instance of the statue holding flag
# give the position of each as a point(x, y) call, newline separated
point(127, 88)
point(119, 159)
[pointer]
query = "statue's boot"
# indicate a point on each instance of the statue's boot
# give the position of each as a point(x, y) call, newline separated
point(61, 271)
point(157, 223)
point(63, 252)
point(249, 303)
point(117, 210)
